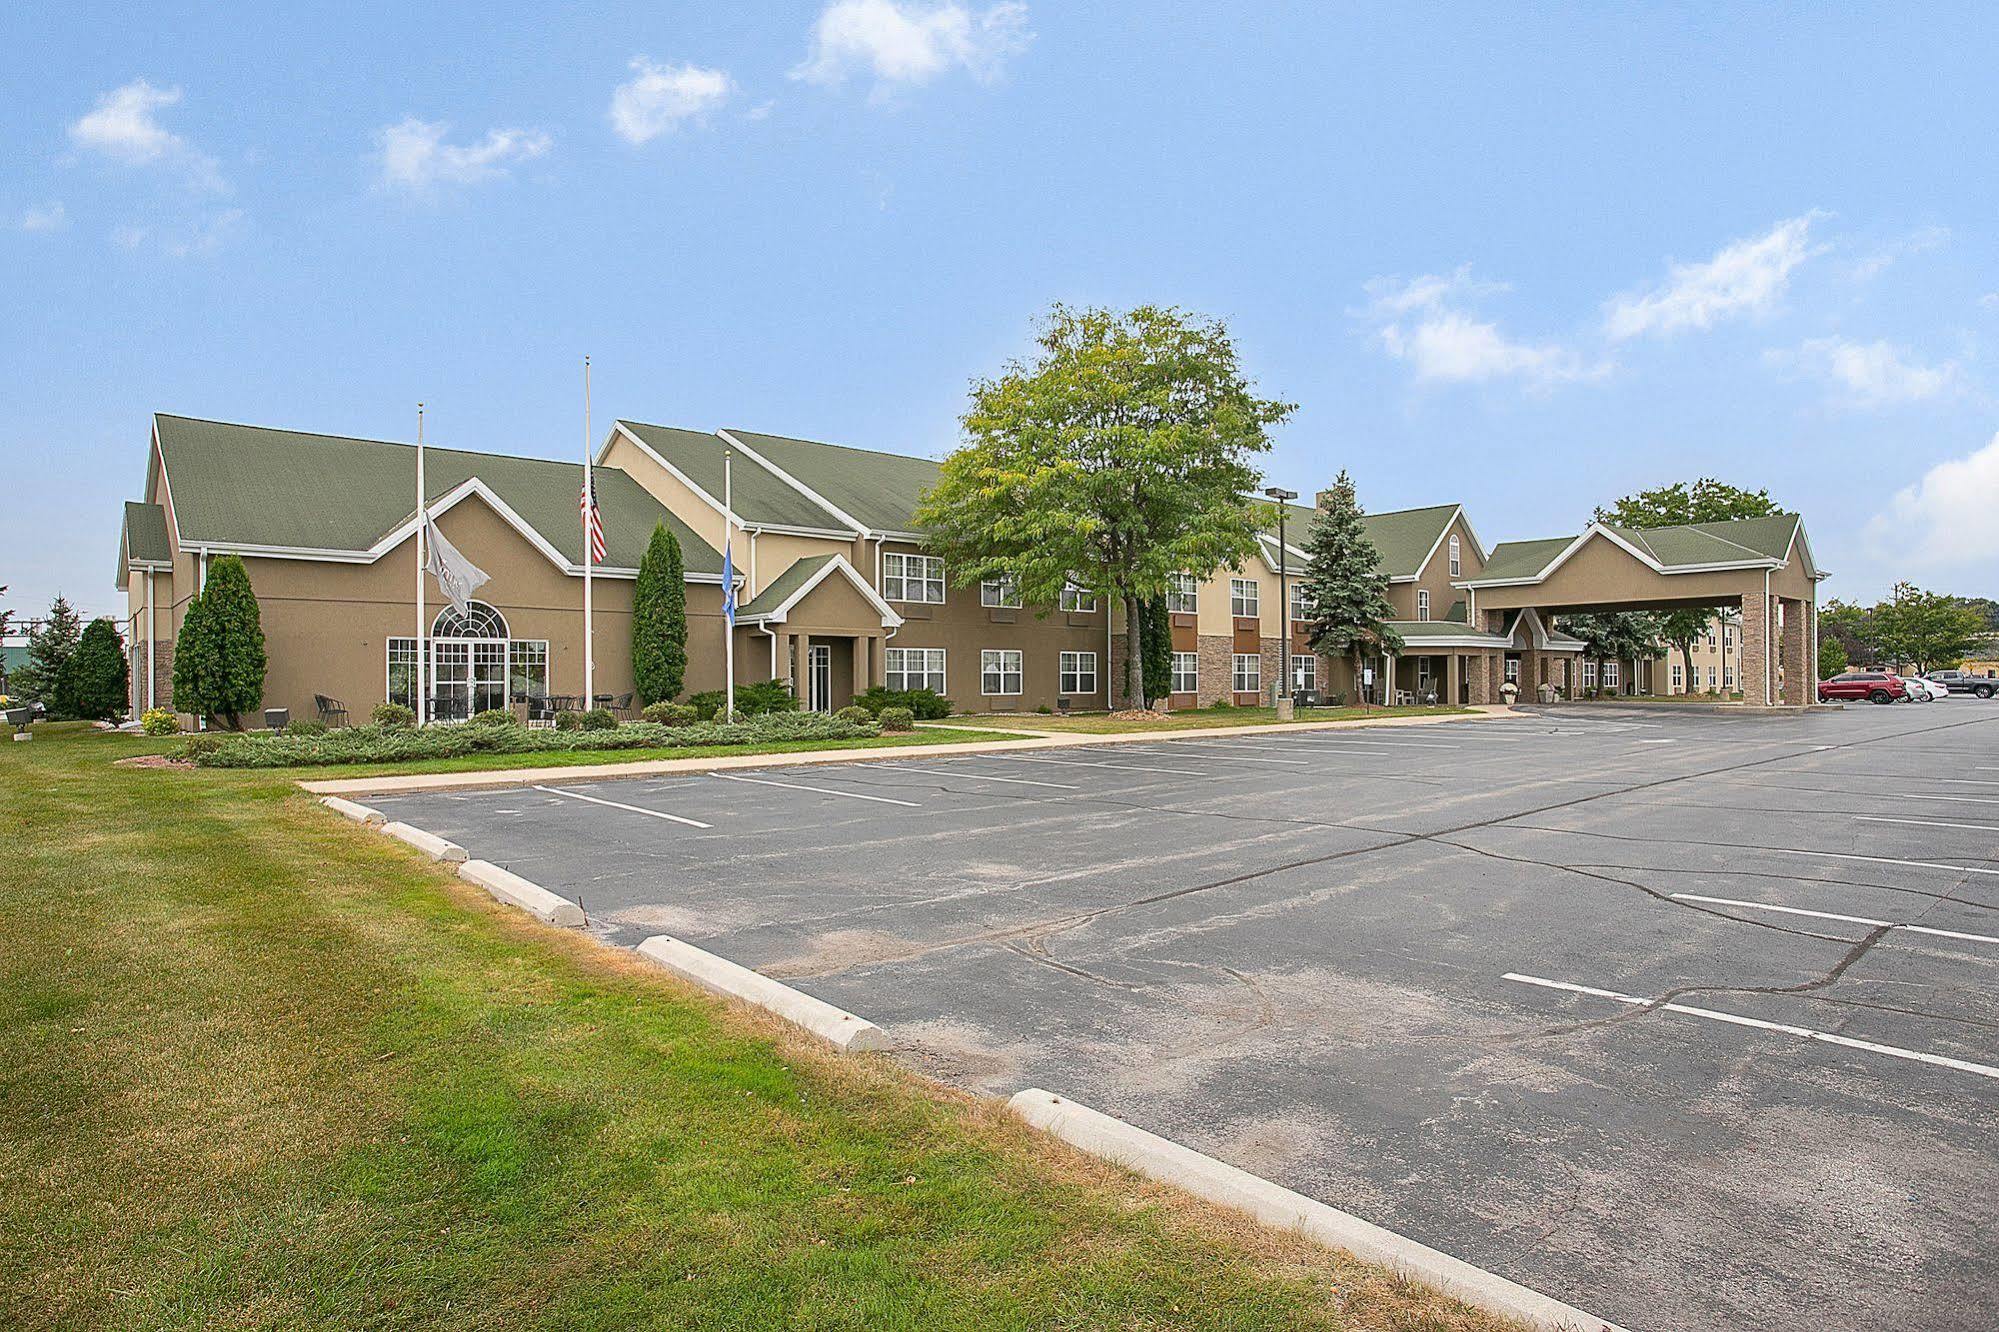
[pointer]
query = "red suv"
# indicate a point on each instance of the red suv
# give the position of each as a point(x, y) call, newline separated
point(1874, 686)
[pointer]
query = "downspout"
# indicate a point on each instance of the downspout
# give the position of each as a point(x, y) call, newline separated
point(1769, 648)
point(765, 627)
point(152, 643)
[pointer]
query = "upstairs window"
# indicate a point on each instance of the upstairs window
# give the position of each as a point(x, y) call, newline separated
point(918, 578)
point(1078, 599)
point(1181, 597)
point(1422, 603)
point(1000, 593)
point(1457, 565)
point(1245, 597)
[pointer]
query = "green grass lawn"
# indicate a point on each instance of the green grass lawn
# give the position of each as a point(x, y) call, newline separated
point(260, 1067)
point(1102, 723)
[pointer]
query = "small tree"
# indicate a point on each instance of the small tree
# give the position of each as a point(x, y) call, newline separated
point(659, 620)
point(1832, 657)
point(1615, 636)
point(49, 651)
point(1157, 675)
point(219, 659)
point(1344, 583)
point(1926, 629)
point(97, 682)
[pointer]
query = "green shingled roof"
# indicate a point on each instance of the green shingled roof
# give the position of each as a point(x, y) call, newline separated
point(880, 490)
point(756, 496)
point(1744, 540)
point(798, 575)
point(1402, 537)
point(144, 537)
point(1417, 630)
point(254, 486)
point(1521, 559)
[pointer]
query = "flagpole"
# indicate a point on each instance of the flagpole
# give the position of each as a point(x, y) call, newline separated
point(728, 592)
point(422, 699)
point(589, 490)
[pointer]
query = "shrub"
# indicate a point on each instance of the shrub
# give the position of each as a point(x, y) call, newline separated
point(670, 714)
point(495, 717)
point(753, 700)
point(159, 721)
point(924, 704)
point(393, 714)
point(1044, 709)
point(219, 658)
point(1221, 705)
point(96, 684)
point(860, 716)
point(197, 748)
point(659, 619)
point(599, 719)
point(896, 719)
point(305, 726)
point(567, 720)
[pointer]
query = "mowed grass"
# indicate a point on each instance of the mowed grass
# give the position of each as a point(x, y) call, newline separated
point(262, 1068)
point(1102, 723)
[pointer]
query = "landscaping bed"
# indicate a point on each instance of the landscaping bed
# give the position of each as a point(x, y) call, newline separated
point(1101, 723)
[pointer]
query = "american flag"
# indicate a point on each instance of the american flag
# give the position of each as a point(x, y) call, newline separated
point(593, 521)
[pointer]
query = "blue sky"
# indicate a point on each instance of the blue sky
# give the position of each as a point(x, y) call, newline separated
point(1525, 257)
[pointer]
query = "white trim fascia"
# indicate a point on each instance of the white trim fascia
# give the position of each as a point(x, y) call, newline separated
point(860, 528)
point(1598, 529)
point(776, 614)
point(173, 514)
point(1403, 578)
point(1457, 511)
point(786, 529)
point(911, 538)
point(1411, 646)
point(437, 508)
point(618, 428)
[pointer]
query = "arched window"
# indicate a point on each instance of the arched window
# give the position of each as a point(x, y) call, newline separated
point(483, 622)
point(1457, 566)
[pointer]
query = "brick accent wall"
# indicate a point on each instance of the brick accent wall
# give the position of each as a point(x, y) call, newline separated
point(1795, 654)
point(163, 677)
point(1216, 666)
point(1756, 648)
point(1276, 664)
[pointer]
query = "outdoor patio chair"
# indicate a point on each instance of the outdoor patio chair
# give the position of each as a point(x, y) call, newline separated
point(621, 707)
point(331, 710)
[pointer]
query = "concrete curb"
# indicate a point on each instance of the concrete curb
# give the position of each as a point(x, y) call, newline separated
point(717, 975)
point(361, 814)
point(1203, 1176)
point(532, 898)
point(429, 843)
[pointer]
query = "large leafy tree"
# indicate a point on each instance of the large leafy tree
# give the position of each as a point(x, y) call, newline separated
point(1119, 454)
point(1926, 629)
point(49, 651)
point(1344, 584)
point(219, 658)
point(1704, 501)
point(97, 682)
point(1850, 627)
point(1617, 636)
point(659, 619)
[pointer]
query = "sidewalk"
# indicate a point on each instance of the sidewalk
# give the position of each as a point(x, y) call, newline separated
point(1029, 739)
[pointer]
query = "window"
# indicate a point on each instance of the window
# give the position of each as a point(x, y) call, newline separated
point(999, 671)
point(1513, 670)
point(1079, 672)
point(1079, 600)
point(1710, 679)
point(1186, 672)
point(1457, 565)
point(1244, 597)
point(1589, 675)
point(1678, 677)
point(482, 622)
point(1728, 635)
point(402, 672)
point(1422, 603)
point(527, 668)
point(1304, 674)
point(1728, 677)
point(913, 668)
point(1301, 603)
point(917, 578)
point(1610, 675)
point(1423, 673)
point(1710, 638)
point(1002, 593)
point(1180, 595)
point(1248, 672)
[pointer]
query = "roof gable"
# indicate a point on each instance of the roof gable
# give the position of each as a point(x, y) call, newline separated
point(776, 602)
point(879, 491)
point(759, 497)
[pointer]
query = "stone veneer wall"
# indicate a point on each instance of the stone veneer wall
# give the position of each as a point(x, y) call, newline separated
point(1756, 647)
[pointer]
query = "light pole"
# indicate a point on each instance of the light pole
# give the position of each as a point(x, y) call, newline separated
point(1283, 496)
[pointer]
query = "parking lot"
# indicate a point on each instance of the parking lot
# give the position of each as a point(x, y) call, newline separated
point(1688, 1020)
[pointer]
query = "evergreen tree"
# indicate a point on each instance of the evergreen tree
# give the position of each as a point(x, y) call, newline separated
point(219, 658)
point(659, 620)
point(1156, 675)
point(97, 683)
point(49, 651)
point(1344, 583)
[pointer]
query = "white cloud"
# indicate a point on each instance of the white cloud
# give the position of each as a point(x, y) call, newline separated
point(1420, 322)
point(1744, 277)
point(902, 42)
point(659, 98)
point(1945, 519)
point(203, 236)
point(1920, 241)
point(1869, 374)
point(52, 218)
point(413, 155)
point(124, 127)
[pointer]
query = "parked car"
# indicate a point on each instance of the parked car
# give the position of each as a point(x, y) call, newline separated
point(1923, 691)
point(1963, 682)
point(1874, 686)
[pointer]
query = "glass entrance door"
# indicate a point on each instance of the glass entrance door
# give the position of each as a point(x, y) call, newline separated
point(821, 690)
point(467, 675)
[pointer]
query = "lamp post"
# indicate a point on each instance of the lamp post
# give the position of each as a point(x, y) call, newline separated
point(1284, 705)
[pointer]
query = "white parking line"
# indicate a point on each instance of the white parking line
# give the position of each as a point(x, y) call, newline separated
point(821, 790)
point(1904, 795)
point(1829, 915)
point(1335, 742)
point(1073, 763)
point(635, 809)
point(1878, 860)
point(1239, 758)
point(1736, 1019)
point(1928, 823)
point(982, 777)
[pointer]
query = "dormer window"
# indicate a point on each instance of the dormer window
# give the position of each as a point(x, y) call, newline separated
point(1457, 565)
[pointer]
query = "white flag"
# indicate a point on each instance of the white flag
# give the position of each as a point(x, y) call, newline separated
point(458, 576)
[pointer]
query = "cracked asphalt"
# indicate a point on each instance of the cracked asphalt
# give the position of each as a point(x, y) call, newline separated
point(1687, 1020)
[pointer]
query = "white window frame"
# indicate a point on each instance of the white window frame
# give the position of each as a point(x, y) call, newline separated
point(1301, 604)
point(1245, 592)
point(999, 594)
point(1078, 600)
point(1078, 672)
point(1589, 674)
point(996, 672)
point(1187, 672)
point(1183, 594)
point(1679, 677)
point(926, 671)
point(1610, 674)
point(1422, 603)
point(1710, 679)
point(1304, 673)
point(1254, 673)
point(1457, 564)
point(918, 579)
point(1728, 677)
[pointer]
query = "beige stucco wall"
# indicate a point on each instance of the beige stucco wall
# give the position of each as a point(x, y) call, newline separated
point(1603, 573)
point(667, 488)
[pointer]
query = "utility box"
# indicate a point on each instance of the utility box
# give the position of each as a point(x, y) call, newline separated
point(277, 719)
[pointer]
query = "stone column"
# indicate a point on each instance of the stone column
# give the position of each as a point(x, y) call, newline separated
point(1483, 664)
point(1796, 654)
point(861, 676)
point(1756, 648)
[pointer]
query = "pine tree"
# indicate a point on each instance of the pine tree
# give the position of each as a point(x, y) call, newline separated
point(1344, 583)
point(97, 683)
point(659, 620)
point(1156, 675)
point(49, 651)
point(219, 659)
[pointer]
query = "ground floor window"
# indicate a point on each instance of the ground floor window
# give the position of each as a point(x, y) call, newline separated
point(1513, 670)
point(402, 672)
point(527, 669)
point(914, 668)
point(1710, 679)
point(1186, 672)
point(1678, 678)
point(1589, 675)
point(999, 671)
point(1423, 673)
point(1610, 675)
point(468, 675)
point(1305, 674)
point(1079, 672)
point(1248, 672)
point(1728, 676)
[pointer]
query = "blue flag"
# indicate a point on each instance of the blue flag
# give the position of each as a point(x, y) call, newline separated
point(728, 583)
